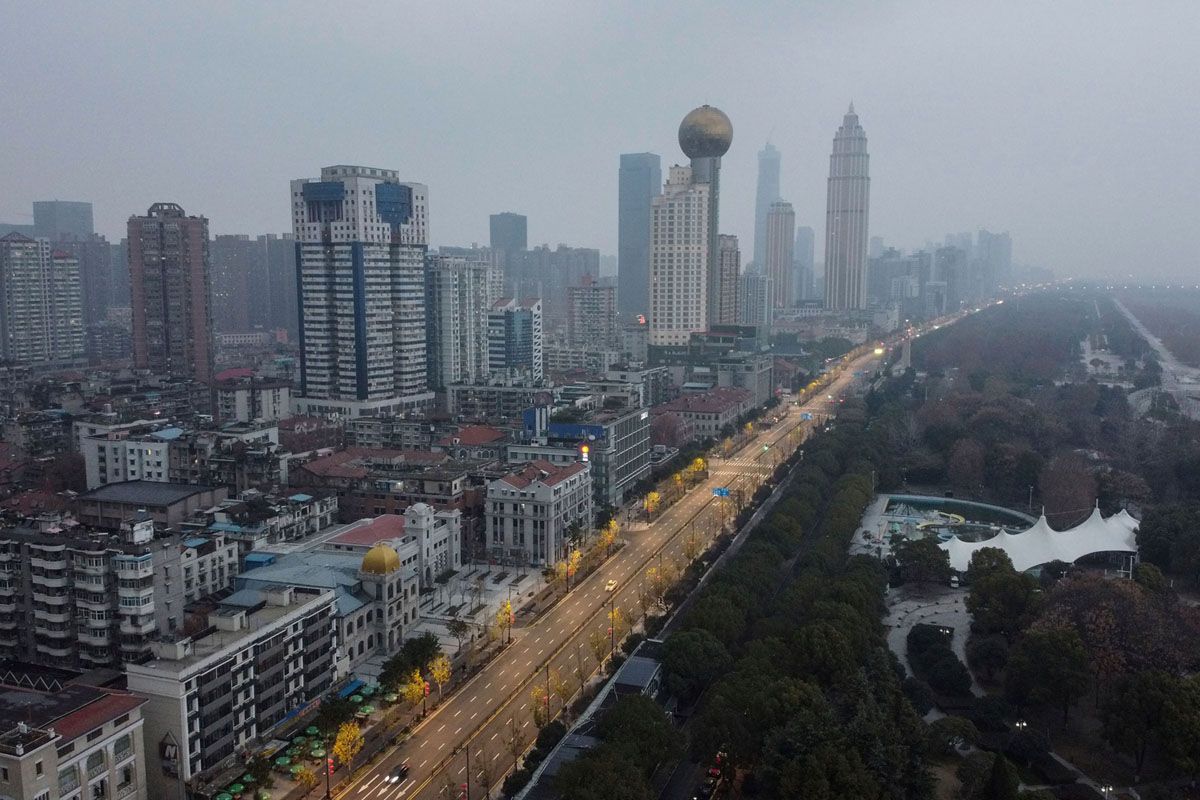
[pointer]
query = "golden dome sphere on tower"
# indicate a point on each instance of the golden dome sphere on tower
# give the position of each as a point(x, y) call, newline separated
point(380, 560)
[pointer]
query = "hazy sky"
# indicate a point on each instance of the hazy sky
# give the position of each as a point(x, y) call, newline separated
point(1074, 125)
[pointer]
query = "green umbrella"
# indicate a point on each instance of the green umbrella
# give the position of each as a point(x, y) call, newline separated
point(282, 761)
point(296, 768)
point(248, 778)
point(318, 752)
point(263, 794)
point(368, 690)
point(356, 698)
point(312, 730)
point(236, 788)
point(391, 697)
point(224, 796)
point(368, 709)
point(299, 740)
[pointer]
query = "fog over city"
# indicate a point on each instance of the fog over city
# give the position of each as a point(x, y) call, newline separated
point(1071, 125)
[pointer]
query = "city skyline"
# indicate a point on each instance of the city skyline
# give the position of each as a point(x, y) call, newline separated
point(969, 159)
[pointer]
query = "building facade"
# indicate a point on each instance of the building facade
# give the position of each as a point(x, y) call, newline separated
point(171, 289)
point(508, 238)
point(847, 209)
point(361, 236)
point(532, 512)
point(729, 263)
point(756, 297)
point(592, 316)
point(778, 257)
point(639, 182)
point(41, 308)
point(803, 256)
point(514, 339)
point(459, 295)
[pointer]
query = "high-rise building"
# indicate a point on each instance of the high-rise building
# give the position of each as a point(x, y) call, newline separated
point(235, 263)
point(361, 236)
point(41, 311)
point(756, 300)
point(549, 274)
point(639, 183)
point(170, 287)
point(846, 218)
point(278, 300)
point(592, 316)
point(515, 339)
point(705, 135)
point(768, 193)
point(59, 220)
point(803, 256)
point(508, 237)
point(459, 293)
point(679, 259)
point(875, 248)
point(994, 252)
point(778, 254)
point(729, 262)
point(94, 255)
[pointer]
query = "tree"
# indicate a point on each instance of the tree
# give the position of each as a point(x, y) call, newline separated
point(487, 774)
point(1048, 666)
point(413, 689)
point(1135, 714)
point(922, 561)
point(333, 712)
point(562, 688)
point(1002, 781)
point(504, 617)
point(599, 644)
point(1002, 601)
point(965, 466)
point(947, 733)
point(539, 704)
point(651, 502)
point(987, 560)
point(987, 654)
point(608, 535)
point(441, 670)
point(1068, 488)
point(348, 743)
point(515, 741)
point(693, 659)
point(307, 778)
point(458, 629)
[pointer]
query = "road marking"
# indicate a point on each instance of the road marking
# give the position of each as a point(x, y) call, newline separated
point(488, 685)
point(458, 730)
point(439, 730)
point(422, 763)
point(494, 735)
point(456, 713)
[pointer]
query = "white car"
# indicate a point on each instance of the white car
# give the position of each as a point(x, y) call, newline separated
point(610, 586)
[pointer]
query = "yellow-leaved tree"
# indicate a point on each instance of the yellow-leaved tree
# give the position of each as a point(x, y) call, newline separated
point(348, 743)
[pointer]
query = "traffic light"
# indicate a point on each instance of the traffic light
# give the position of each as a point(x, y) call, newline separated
point(329, 764)
point(584, 450)
point(427, 688)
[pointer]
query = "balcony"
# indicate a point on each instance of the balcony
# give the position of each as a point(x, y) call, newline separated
point(94, 637)
point(59, 581)
point(98, 769)
point(127, 790)
point(55, 562)
point(58, 615)
point(62, 650)
point(7, 605)
point(132, 626)
point(98, 602)
point(51, 599)
point(134, 569)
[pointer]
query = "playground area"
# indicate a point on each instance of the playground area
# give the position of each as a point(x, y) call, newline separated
point(893, 517)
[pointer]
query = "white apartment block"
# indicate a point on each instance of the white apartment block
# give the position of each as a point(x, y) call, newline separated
point(41, 308)
point(459, 295)
point(679, 242)
point(361, 236)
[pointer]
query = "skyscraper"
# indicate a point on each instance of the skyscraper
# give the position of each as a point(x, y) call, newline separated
point(768, 193)
point(509, 238)
point(361, 236)
point(170, 290)
point(846, 218)
point(705, 135)
point(279, 259)
point(679, 260)
point(640, 181)
point(729, 262)
point(59, 220)
point(234, 263)
point(804, 257)
point(41, 312)
point(592, 316)
point(459, 294)
point(777, 258)
point(515, 339)
point(755, 300)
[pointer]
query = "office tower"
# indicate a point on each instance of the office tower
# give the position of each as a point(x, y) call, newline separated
point(994, 251)
point(950, 271)
point(59, 220)
point(778, 253)
point(803, 256)
point(592, 316)
point(768, 193)
point(847, 205)
point(279, 260)
point(361, 236)
point(679, 259)
point(515, 339)
point(509, 237)
point(729, 262)
point(94, 255)
point(170, 290)
point(41, 311)
point(755, 298)
point(705, 135)
point(640, 181)
point(459, 293)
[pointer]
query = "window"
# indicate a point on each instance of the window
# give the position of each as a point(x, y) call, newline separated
point(38, 769)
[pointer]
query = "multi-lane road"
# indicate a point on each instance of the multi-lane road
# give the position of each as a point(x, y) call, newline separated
point(482, 715)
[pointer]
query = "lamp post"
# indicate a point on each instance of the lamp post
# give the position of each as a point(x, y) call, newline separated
point(612, 627)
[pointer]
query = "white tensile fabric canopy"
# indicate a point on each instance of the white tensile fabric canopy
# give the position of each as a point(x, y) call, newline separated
point(1041, 544)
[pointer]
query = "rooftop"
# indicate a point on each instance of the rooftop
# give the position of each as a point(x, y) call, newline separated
point(146, 493)
point(714, 401)
point(71, 710)
point(366, 533)
point(356, 462)
point(472, 435)
point(542, 472)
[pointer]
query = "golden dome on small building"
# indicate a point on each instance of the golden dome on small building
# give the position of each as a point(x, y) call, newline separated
point(380, 560)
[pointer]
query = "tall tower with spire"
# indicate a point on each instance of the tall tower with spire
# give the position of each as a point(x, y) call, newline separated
point(768, 193)
point(846, 218)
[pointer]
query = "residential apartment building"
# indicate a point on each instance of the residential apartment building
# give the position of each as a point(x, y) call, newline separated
point(712, 413)
point(250, 399)
point(171, 289)
point(459, 295)
point(41, 308)
point(592, 316)
point(679, 241)
point(533, 512)
point(361, 237)
point(64, 740)
point(82, 598)
point(514, 340)
point(248, 662)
